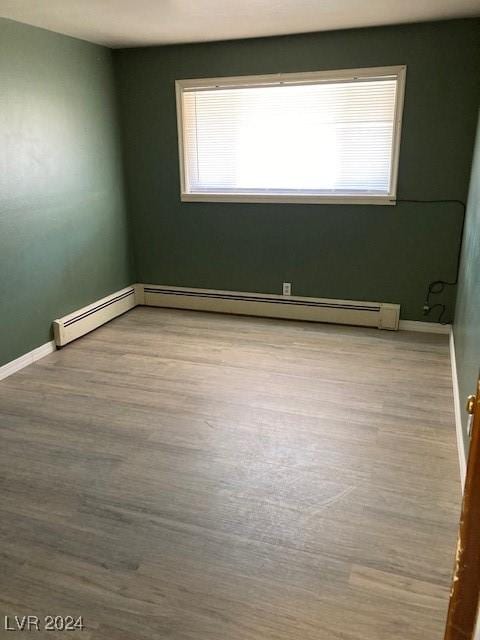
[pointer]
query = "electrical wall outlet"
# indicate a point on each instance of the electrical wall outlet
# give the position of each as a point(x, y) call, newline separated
point(287, 288)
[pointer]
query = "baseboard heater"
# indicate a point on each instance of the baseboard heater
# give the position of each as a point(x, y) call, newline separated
point(367, 314)
point(93, 316)
point(364, 314)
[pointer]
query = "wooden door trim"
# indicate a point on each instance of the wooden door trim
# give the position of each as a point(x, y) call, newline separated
point(464, 597)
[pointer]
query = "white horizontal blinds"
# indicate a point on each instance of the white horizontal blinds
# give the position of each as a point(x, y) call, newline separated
point(329, 137)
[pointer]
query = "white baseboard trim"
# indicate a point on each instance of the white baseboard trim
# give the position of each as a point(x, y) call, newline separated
point(424, 327)
point(28, 358)
point(458, 412)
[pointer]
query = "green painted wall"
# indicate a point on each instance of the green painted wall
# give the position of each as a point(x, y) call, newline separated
point(356, 252)
point(63, 228)
point(467, 313)
point(63, 225)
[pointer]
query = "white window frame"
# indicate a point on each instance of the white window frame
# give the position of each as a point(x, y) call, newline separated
point(398, 71)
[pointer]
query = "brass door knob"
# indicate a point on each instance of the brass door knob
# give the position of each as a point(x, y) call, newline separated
point(470, 407)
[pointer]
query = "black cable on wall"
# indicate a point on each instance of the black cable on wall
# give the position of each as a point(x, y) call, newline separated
point(438, 286)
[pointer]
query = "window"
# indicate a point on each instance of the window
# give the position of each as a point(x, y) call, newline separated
point(310, 137)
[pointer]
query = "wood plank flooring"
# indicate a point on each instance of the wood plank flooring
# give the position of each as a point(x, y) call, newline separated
point(194, 476)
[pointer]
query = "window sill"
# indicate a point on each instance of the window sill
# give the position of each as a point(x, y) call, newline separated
point(287, 199)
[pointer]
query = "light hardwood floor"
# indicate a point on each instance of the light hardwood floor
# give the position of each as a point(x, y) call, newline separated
point(194, 476)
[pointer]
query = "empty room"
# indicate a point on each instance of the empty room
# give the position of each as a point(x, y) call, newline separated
point(240, 319)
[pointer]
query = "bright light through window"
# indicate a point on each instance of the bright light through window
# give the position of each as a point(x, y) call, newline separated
point(320, 137)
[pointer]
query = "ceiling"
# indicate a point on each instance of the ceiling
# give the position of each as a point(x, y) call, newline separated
point(129, 23)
